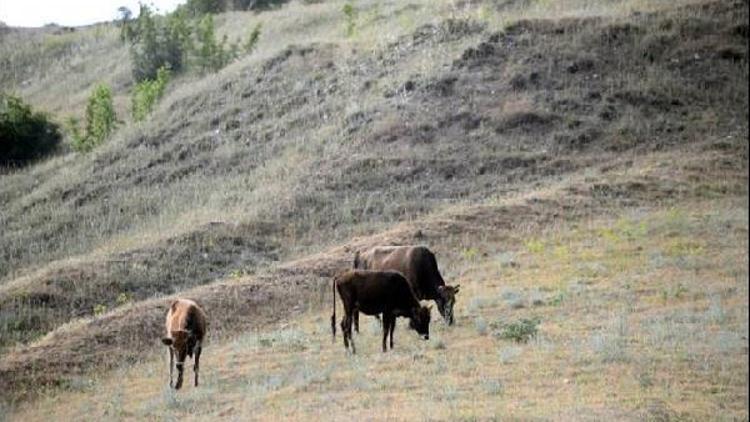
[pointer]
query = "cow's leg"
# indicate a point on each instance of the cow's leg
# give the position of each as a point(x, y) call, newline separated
point(393, 328)
point(387, 327)
point(349, 332)
point(343, 330)
point(196, 364)
point(171, 364)
point(355, 316)
point(180, 367)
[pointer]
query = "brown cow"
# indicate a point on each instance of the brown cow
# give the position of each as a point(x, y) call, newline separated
point(419, 266)
point(186, 327)
point(374, 293)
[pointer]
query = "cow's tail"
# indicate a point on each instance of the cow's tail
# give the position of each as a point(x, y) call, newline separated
point(333, 316)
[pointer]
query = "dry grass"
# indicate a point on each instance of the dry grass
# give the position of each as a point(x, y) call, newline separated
point(611, 344)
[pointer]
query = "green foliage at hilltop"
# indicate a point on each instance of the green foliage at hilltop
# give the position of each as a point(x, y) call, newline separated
point(184, 38)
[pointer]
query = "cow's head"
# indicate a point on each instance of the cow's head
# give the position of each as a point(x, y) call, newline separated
point(180, 342)
point(420, 321)
point(447, 298)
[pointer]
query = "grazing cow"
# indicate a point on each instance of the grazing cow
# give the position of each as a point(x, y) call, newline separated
point(419, 266)
point(186, 327)
point(374, 293)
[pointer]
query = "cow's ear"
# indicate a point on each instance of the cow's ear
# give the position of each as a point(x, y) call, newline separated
point(167, 341)
point(455, 289)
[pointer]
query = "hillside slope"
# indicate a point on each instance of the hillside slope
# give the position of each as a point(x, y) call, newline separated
point(480, 124)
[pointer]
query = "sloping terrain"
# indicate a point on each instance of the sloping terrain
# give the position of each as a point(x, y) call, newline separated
point(489, 125)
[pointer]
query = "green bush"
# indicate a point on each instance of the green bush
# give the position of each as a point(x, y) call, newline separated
point(520, 331)
point(147, 93)
point(24, 133)
point(100, 121)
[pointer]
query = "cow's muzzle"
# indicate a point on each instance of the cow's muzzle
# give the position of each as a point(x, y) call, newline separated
point(426, 337)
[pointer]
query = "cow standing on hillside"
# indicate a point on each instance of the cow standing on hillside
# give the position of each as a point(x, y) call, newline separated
point(374, 293)
point(186, 327)
point(419, 266)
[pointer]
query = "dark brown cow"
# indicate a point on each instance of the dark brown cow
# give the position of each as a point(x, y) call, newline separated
point(419, 266)
point(186, 327)
point(374, 293)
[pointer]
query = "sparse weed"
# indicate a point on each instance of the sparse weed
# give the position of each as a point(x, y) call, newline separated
point(611, 343)
point(715, 313)
point(557, 299)
point(350, 16)
point(470, 253)
point(479, 302)
point(481, 325)
point(492, 386)
point(514, 299)
point(509, 354)
point(507, 260)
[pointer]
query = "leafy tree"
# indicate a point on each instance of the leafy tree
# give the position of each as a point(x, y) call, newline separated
point(210, 55)
point(159, 43)
point(202, 7)
point(24, 134)
point(126, 30)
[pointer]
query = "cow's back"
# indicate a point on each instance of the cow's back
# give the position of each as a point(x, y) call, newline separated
point(416, 263)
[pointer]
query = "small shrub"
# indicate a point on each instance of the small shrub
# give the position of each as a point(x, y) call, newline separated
point(100, 121)
point(493, 386)
point(100, 309)
point(520, 331)
point(534, 246)
point(24, 133)
point(122, 299)
point(481, 326)
point(147, 93)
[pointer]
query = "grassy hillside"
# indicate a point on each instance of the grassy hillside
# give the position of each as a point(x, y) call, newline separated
point(588, 162)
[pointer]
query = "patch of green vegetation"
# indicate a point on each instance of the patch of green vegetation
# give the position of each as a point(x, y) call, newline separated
point(147, 93)
point(535, 246)
point(520, 331)
point(101, 121)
